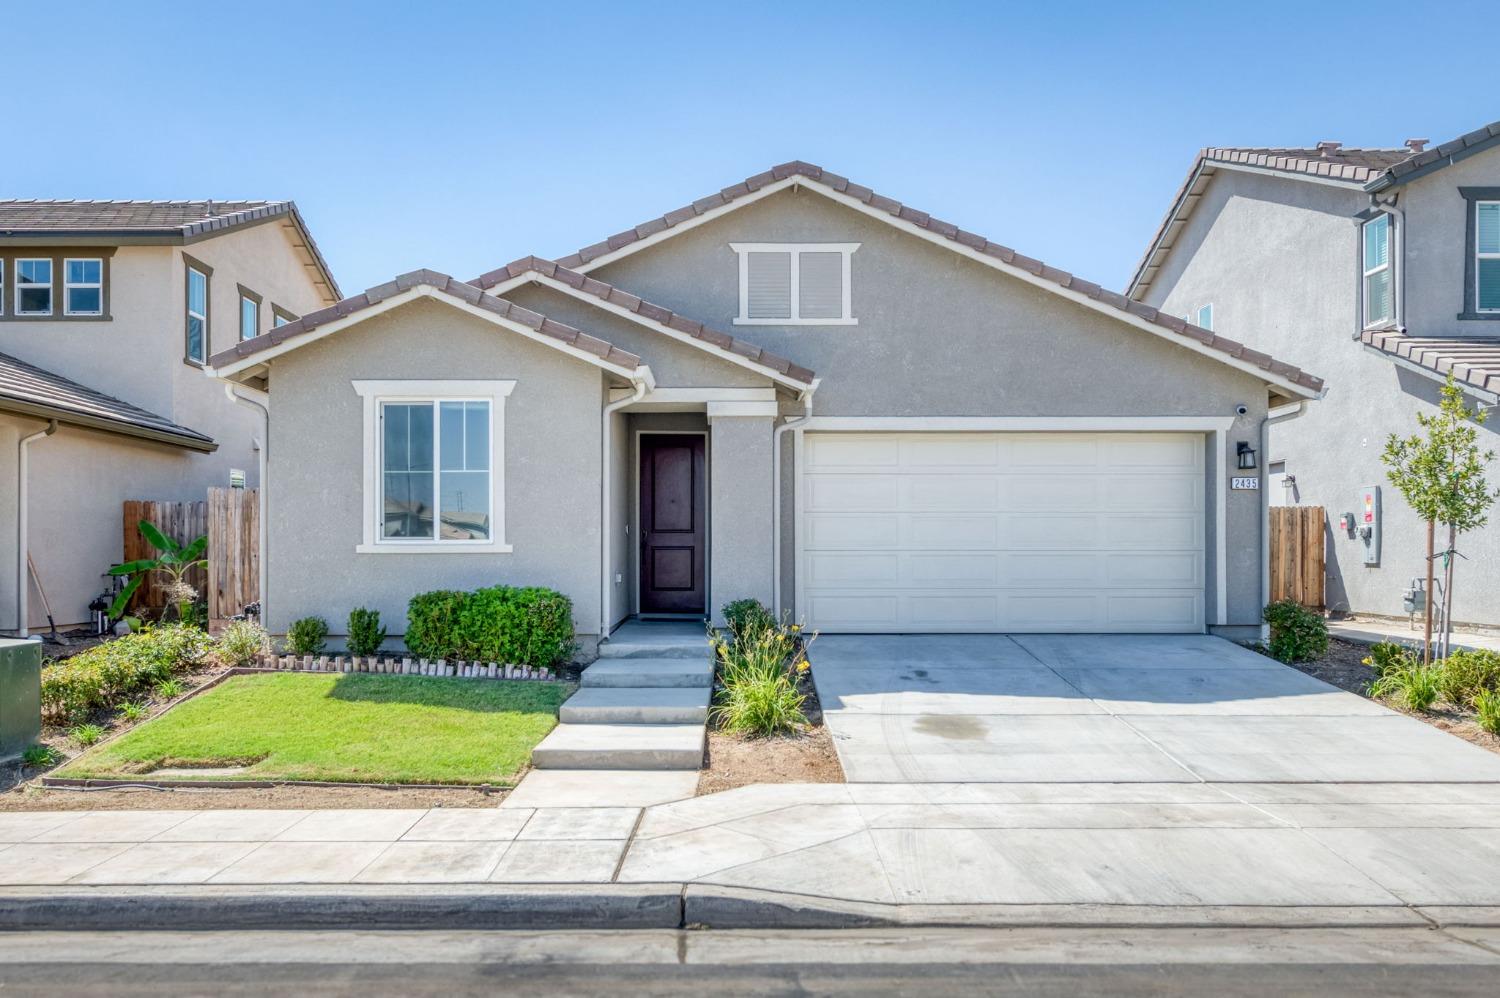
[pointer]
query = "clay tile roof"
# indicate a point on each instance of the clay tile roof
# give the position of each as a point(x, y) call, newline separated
point(1474, 361)
point(32, 391)
point(184, 221)
point(946, 230)
point(655, 313)
point(1437, 156)
point(448, 285)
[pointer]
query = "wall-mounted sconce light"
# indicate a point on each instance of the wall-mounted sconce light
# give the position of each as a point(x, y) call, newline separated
point(1244, 456)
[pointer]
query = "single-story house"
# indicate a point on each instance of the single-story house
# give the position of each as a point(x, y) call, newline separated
point(988, 443)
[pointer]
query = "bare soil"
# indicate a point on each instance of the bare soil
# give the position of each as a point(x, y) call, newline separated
point(34, 797)
point(805, 757)
point(1343, 666)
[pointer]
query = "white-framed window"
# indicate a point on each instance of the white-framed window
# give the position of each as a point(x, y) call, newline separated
point(33, 286)
point(434, 468)
point(83, 286)
point(249, 317)
point(795, 284)
point(1487, 256)
point(1205, 317)
point(197, 315)
point(1378, 286)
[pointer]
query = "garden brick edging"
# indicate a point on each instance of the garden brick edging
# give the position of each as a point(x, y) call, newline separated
point(404, 666)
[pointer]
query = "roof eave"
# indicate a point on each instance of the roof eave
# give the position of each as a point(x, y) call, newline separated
point(69, 417)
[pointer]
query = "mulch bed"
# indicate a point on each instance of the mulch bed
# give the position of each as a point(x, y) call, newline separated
point(1342, 666)
point(805, 757)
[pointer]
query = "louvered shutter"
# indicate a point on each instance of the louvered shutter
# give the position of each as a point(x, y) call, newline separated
point(768, 285)
point(821, 285)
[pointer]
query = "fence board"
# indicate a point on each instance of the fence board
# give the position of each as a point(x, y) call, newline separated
point(1298, 551)
point(231, 520)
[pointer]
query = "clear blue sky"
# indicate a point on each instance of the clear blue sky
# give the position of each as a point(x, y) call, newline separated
point(459, 136)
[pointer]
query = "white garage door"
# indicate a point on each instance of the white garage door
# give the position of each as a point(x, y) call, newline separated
point(912, 532)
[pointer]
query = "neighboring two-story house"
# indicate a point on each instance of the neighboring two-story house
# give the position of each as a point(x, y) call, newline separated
point(109, 311)
point(990, 444)
point(1379, 268)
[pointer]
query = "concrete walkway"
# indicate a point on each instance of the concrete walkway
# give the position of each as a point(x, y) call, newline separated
point(1370, 631)
point(1353, 851)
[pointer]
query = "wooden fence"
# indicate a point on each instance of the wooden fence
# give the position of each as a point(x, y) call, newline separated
point(1298, 544)
point(231, 520)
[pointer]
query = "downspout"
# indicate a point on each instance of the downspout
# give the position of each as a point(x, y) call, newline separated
point(265, 493)
point(641, 384)
point(806, 398)
point(1265, 506)
point(23, 582)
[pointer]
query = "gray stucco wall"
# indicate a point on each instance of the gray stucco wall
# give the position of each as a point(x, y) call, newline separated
point(551, 481)
point(942, 335)
point(740, 510)
point(1278, 258)
point(1436, 220)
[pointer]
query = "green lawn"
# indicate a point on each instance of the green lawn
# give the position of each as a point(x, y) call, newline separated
point(349, 727)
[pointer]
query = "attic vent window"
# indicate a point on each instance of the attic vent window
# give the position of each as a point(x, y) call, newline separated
point(795, 284)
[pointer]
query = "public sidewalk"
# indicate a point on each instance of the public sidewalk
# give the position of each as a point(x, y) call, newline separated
point(1312, 853)
point(1371, 631)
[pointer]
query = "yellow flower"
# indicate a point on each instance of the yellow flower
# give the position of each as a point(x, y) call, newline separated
point(802, 666)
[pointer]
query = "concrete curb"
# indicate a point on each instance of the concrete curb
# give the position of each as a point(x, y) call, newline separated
point(632, 906)
point(345, 906)
point(707, 906)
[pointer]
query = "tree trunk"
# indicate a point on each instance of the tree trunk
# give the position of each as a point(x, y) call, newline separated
point(1452, 556)
point(1427, 615)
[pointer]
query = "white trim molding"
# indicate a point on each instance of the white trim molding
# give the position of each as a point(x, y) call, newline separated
point(794, 251)
point(374, 393)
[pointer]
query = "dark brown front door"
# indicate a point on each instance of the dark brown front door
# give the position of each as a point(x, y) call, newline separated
point(673, 523)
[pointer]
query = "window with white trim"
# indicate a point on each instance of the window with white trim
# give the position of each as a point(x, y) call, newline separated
point(196, 330)
point(83, 286)
point(434, 468)
point(795, 284)
point(1379, 287)
point(1205, 317)
point(1487, 256)
point(249, 317)
point(33, 286)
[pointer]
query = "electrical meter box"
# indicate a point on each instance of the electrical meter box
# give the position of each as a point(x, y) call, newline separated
point(1367, 523)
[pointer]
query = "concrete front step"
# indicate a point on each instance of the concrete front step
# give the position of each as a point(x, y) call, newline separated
point(637, 705)
point(655, 639)
point(650, 672)
point(621, 746)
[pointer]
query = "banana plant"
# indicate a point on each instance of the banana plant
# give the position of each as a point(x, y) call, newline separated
point(174, 560)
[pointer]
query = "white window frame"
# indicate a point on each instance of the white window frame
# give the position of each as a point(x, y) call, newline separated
point(51, 285)
point(795, 250)
point(255, 326)
point(70, 285)
point(1366, 271)
point(1199, 316)
point(1481, 256)
point(374, 394)
point(202, 317)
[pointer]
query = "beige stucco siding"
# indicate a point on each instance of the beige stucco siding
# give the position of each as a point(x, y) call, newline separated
point(551, 475)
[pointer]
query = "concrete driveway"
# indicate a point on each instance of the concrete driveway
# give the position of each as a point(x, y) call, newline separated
point(1110, 709)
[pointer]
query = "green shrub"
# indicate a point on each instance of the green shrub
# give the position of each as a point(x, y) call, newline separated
point(39, 756)
point(87, 734)
point(307, 636)
point(432, 623)
point(241, 642)
point(527, 626)
point(117, 670)
point(1465, 674)
point(132, 711)
point(758, 672)
point(365, 633)
point(747, 618)
point(170, 689)
point(1297, 633)
point(1387, 655)
point(1487, 707)
point(1413, 687)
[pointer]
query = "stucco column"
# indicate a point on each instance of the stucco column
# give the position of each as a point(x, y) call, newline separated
point(739, 509)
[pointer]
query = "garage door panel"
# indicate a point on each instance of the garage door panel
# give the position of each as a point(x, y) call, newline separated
point(1003, 532)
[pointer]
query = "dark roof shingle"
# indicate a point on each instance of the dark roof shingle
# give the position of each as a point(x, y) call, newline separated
point(30, 390)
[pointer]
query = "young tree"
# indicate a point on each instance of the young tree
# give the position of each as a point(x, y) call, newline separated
point(1441, 475)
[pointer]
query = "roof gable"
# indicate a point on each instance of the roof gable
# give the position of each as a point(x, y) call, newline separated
point(250, 354)
point(663, 320)
point(1292, 380)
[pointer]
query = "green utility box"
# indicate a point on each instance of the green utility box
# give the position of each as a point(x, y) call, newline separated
point(20, 695)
